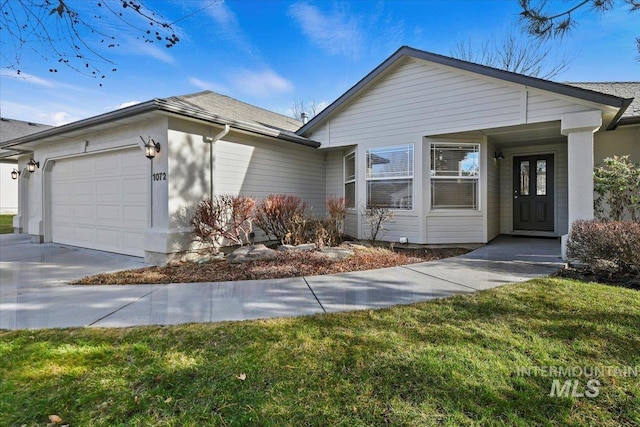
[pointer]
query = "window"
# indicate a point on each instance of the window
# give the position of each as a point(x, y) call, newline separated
point(390, 177)
point(455, 171)
point(350, 180)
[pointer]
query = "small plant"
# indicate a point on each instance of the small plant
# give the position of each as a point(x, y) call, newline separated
point(617, 188)
point(606, 246)
point(225, 217)
point(284, 218)
point(335, 222)
point(376, 218)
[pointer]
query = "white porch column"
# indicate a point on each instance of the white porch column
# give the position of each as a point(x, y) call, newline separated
point(579, 129)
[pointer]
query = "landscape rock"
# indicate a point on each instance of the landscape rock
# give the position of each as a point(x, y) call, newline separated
point(336, 254)
point(251, 253)
point(308, 247)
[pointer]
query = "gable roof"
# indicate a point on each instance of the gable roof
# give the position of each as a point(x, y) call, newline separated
point(534, 82)
point(12, 128)
point(206, 106)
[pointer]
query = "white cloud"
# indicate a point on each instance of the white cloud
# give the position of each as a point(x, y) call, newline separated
point(201, 84)
point(206, 85)
point(59, 118)
point(261, 83)
point(127, 104)
point(49, 114)
point(28, 78)
point(228, 28)
point(152, 50)
point(337, 33)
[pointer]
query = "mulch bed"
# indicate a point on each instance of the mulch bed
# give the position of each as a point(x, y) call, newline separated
point(631, 281)
point(286, 264)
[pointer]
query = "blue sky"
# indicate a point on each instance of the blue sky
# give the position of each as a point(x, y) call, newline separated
point(270, 53)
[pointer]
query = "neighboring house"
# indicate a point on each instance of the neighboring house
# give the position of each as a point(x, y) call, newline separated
point(461, 152)
point(11, 129)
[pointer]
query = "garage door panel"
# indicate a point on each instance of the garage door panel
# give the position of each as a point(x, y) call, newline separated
point(135, 189)
point(131, 166)
point(106, 188)
point(108, 238)
point(135, 216)
point(105, 168)
point(133, 240)
point(83, 189)
point(83, 167)
point(63, 192)
point(109, 214)
point(100, 201)
point(83, 233)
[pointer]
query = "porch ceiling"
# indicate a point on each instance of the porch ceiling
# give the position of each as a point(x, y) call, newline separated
point(531, 134)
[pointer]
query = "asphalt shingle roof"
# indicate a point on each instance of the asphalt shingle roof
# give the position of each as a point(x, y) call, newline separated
point(621, 89)
point(11, 128)
point(233, 109)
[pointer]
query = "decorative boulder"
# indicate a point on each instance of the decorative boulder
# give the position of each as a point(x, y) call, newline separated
point(336, 254)
point(251, 253)
point(308, 247)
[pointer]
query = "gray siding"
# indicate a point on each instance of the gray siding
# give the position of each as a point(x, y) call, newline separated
point(243, 165)
point(402, 225)
point(455, 228)
point(419, 97)
point(351, 223)
point(493, 193)
point(256, 168)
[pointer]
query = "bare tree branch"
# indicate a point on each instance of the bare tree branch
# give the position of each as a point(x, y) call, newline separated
point(515, 55)
point(539, 21)
point(77, 34)
point(299, 107)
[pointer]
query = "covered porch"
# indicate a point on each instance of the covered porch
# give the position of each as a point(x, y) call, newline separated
point(539, 177)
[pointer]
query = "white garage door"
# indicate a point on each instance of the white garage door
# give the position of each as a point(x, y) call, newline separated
point(99, 201)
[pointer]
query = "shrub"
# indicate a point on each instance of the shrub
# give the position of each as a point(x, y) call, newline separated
point(284, 218)
point(376, 218)
point(617, 187)
point(612, 246)
point(225, 217)
point(334, 224)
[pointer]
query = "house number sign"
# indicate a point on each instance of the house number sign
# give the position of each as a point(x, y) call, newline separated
point(160, 176)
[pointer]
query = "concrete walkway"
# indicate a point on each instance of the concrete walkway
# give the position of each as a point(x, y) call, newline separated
point(34, 293)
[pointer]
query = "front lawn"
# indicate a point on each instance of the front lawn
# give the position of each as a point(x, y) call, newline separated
point(6, 224)
point(457, 361)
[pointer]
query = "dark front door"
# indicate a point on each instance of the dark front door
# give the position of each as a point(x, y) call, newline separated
point(533, 193)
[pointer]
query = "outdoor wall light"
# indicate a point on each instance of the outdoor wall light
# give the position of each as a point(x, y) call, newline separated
point(32, 165)
point(498, 155)
point(15, 174)
point(150, 148)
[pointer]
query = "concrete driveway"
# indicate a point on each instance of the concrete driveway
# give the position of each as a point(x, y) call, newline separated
point(34, 292)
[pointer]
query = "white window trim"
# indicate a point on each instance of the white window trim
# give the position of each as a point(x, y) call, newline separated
point(407, 177)
point(351, 181)
point(476, 178)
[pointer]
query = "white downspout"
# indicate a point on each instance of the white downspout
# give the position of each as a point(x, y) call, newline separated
point(211, 140)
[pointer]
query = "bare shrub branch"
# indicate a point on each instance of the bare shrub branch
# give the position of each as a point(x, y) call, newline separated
point(225, 217)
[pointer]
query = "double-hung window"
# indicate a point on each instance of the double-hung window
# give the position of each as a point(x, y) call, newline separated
point(350, 180)
point(455, 172)
point(390, 177)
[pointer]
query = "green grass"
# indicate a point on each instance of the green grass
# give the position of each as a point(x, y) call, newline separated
point(6, 224)
point(451, 362)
